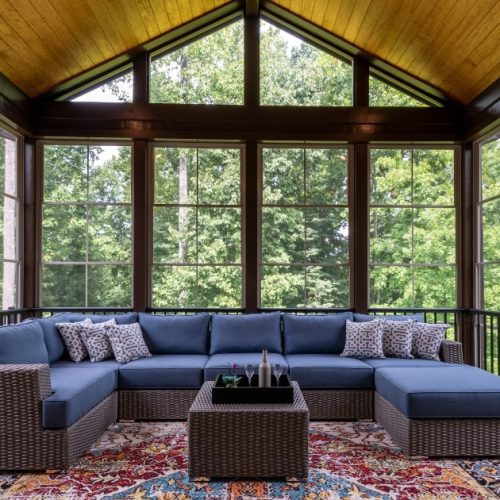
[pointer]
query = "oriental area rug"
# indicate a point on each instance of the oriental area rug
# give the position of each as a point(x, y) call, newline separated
point(347, 461)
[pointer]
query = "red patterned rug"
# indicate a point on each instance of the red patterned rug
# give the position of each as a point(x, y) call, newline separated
point(347, 461)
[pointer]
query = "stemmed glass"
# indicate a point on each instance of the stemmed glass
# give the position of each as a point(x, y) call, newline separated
point(249, 371)
point(277, 370)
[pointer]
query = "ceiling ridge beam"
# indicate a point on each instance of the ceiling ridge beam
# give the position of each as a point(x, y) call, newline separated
point(252, 8)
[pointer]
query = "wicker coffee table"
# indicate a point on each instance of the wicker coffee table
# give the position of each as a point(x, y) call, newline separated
point(247, 440)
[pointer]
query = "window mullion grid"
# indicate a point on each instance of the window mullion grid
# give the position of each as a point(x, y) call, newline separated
point(87, 228)
point(197, 210)
point(412, 199)
point(306, 301)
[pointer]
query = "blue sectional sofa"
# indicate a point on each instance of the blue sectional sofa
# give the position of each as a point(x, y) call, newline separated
point(53, 409)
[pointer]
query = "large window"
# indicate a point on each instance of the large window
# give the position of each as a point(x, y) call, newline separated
point(489, 226)
point(197, 227)
point(9, 221)
point(382, 93)
point(86, 225)
point(295, 73)
point(305, 227)
point(412, 228)
point(115, 89)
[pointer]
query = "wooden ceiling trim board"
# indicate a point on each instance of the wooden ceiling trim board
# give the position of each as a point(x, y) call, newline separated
point(384, 32)
point(389, 51)
point(196, 8)
point(342, 18)
point(148, 18)
point(357, 18)
point(124, 29)
point(161, 14)
point(491, 73)
point(185, 10)
point(372, 22)
point(319, 11)
point(135, 20)
point(308, 8)
point(330, 14)
point(173, 12)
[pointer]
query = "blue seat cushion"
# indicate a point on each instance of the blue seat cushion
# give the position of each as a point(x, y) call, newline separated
point(458, 391)
point(315, 371)
point(363, 318)
point(218, 363)
point(75, 392)
point(405, 363)
point(175, 334)
point(107, 363)
point(163, 371)
point(246, 333)
point(315, 333)
point(22, 343)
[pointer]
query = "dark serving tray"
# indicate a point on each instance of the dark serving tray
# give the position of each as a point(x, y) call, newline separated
point(253, 394)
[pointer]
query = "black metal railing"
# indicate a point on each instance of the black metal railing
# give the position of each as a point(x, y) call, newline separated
point(487, 328)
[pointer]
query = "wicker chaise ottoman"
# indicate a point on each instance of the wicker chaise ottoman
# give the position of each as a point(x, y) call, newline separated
point(254, 440)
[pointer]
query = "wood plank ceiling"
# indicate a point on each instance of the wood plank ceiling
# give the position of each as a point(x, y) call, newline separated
point(451, 44)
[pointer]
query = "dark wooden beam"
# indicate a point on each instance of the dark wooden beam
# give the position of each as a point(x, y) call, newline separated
point(252, 61)
point(252, 8)
point(360, 77)
point(482, 114)
point(141, 78)
point(149, 121)
point(16, 107)
point(359, 196)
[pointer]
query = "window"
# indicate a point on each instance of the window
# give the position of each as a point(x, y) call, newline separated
point(295, 73)
point(383, 93)
point(305, 228)
point(197, 227)
point(207, 71)
point(412, 228)
point(86, 225)
point(489, 226)
point(9, 221)
point(117, 89)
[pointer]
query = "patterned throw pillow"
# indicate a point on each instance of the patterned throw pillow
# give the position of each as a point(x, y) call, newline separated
point(127, 342)
point(363, 340)
point(70, 333)
point(427, 339)
point(397, 338)
point(96, 341)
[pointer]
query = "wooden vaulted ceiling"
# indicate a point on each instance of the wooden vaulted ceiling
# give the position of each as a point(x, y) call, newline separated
point(451, 44)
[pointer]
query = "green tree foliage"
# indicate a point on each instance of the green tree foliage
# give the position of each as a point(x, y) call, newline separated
point(383, 94)
point(118, 89)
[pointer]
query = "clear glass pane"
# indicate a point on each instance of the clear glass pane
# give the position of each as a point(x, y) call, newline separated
point(9, 279)
point(491, 275)
point(435, 287)
point(327, 286)
point(434, 235)
point(175, 175)
point(326, 176)
point(283, 235)
point(295, 73)
point(65, 173)
point(207, 71)
point(391, 176)
point(110, 174)
point(63, 286)
point(490, 169)
point(491, 230)
point(64, 233)
point(219, 176)
point(118, 89)
point(219, 235)
point(8, 166)
point(109, 286)
point(174, 235)
point(390, 235)
point(174, 286)
point(219, 286)
point(383, 94)
point(327, 232)
point(282, 286)
point(8, 228)
point(433, 177)
point(110, 233)
point(391, 286)
point(283, 174)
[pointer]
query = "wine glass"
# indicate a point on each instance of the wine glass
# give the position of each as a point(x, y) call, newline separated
point(249, 371)
point(277, 370)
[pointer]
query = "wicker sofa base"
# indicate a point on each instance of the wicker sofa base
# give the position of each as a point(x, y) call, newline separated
point(439, 437)
point(329, 404)
point(159, 404)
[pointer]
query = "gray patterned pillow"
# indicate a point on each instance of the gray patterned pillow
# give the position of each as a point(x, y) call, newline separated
point(363, 340)
point(397, 338)
point(70, 333)
point(427, 339)
point(96, 341)
point(127, 342)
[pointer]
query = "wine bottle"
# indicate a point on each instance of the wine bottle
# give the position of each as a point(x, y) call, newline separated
point(264, 371)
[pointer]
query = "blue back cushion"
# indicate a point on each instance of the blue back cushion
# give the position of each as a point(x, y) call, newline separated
point(363, 318)
point(175, 334)
point(315, 333)
point(22, 343)
point(246, 333)
point(121, 319)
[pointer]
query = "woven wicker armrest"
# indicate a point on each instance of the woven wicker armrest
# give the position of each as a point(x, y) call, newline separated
point(451, 351)
point(22, 387)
